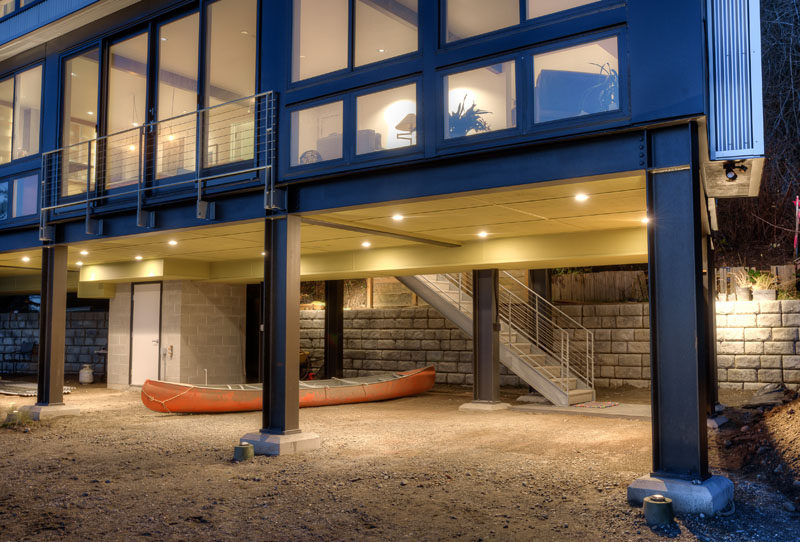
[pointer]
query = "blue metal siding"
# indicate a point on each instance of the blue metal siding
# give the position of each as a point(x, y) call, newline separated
point(37, 16)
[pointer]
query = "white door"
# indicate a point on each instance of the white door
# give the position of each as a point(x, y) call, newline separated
point(145, 326)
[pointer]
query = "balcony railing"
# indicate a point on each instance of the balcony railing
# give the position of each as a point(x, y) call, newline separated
point(218, 147)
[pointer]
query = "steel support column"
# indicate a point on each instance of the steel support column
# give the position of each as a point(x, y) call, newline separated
point(486, 329)
point(678, 314)
point(711, 343)
point(334, 328)
point(52, 326)
point(281, 345)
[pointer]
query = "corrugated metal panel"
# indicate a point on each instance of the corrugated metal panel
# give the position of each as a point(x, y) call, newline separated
point(736, 124)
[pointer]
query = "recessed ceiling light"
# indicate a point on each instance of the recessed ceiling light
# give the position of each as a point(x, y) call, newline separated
point(137, 258)
point(482, 234)
point(366, 244)
point(163, 39)
point(381, 50)
point(79, 263)
point(135, 124)
point(26, 259)
point(84, 252)
point(263, 253)
point(645, 220)
point(398, 217)
point(172, 242)
point(131, 148)
point(90, 112)
point(581, 197)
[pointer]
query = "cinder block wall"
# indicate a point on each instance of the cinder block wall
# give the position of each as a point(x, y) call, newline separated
point(86, 333)
point(119, 337)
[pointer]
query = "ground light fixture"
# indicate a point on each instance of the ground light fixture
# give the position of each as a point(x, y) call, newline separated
point(366, 244)
point(172, 242)
point(581, 197)
point(26, 259)
point(482, 234)
point(84, 252)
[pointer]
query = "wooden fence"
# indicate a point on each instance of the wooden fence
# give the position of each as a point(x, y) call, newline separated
point(604, 286)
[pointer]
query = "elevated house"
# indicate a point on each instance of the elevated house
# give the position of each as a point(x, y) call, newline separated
point(190, 159)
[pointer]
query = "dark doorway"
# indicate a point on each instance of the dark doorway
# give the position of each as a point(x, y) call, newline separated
point(253, 333)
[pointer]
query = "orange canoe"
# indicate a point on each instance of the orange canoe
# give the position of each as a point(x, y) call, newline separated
point(173, 397)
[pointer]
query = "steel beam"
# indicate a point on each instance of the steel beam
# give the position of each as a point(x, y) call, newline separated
point(678, 310)
point(281, 346)
point(486, 330)
point(334, 329)
point(52, 326)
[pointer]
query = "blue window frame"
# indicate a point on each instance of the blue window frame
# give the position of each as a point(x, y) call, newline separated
point(19, 197)
point(20, 113)
point(4, 200)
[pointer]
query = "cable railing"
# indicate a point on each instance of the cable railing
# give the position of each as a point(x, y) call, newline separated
point(183, 155)
point(532, 322)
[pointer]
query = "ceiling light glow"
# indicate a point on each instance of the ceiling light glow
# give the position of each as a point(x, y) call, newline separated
point(137, 258)
point(79, 263)
point(482, 234)
point(172, 242)
point(581, 197)
point(645, 220)
point(397, 217)
point(26, 259)
point(84, 252)
point(366, 244)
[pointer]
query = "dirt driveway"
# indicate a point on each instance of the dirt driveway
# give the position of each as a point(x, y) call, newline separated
point(412, 468)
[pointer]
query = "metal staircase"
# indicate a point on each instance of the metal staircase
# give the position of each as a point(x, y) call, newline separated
point(541, 344)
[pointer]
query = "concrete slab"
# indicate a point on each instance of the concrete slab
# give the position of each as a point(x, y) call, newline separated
point(483, 406)
point(709, 497)
point(267, 444)
point(44, 412)
point(716, 422)
point(533, 398)
point(625, 411)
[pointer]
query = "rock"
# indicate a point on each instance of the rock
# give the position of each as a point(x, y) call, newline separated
point(744, 428)
point(789, 507)
point(403, 483)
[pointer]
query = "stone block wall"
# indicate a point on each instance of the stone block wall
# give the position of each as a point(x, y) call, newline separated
point(86, 333)
point(119, 337)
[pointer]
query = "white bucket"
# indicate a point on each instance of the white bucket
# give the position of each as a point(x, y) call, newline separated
point(86, 375)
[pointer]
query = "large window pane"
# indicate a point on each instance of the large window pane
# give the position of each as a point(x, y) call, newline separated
point(384, 29)
point(6, 118)
point(387, 119)
point(481, 100)
point(467, 18)
point(539, 8)
point(232, 41)
point(576, 81)
point(3, 201)
point(127, 103)
point(25, 196)
point(80, 123)
point(317, 134)
point(319, 37)
point(27, 112)
point(178, 46)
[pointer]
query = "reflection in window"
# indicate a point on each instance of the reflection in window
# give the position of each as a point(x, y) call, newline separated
point(177, 95)
point(317, 134)
point(232, 41)
point(80, 123)
point(384, 30)
point(27, 112)
point(25, 196)
point(480, 100)
point(319, 37)
point(467, 18)
point(127, 99)
point(3, 201)
point(576, 81)
point(387, 119)
point(539, 8)
point(6, 7)
point(6, 118)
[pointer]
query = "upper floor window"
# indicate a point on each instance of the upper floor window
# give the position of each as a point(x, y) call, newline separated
point(480, 100)
point(575, 81)
point(317, 134)
point(321, 34)
point(20, 114)
point(19, 197)
point(467, 18)
point(386, 119)
point(79, 122)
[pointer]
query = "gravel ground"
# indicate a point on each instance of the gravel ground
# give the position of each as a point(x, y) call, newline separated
point(412, 468)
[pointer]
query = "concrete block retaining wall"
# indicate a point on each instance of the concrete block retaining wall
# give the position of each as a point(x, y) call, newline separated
point(86, 333)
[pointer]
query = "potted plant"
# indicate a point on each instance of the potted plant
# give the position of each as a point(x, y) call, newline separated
point(765, 286)
point(465, 119)
point(743, 286)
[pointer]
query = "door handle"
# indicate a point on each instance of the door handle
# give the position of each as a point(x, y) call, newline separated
point(155, 341)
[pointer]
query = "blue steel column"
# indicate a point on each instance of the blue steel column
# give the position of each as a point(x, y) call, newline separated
point(334, 329)
point(52, 326)
point(281, 346)
point(486, 328)
point(678, 315)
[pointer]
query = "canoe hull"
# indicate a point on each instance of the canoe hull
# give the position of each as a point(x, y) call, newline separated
point(172, 397)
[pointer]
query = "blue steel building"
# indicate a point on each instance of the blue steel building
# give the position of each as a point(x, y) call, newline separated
point(172, 155)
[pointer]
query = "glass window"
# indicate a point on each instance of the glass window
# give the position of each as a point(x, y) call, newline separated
point(467, 18)
point(384, 30)
point(127, 104)
point(481, 100)
point(27, 112)
point(81, 75)
point(576, 81)
point(539, 8)
point(232, 42)
point(25, 196)
point(6, 118)
point(6, 7)
point(386, 119)
point(319, 37)
point(317, 134)
point(178, 48)
point(3, 201)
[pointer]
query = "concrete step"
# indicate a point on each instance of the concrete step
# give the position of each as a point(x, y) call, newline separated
point(580, 396)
